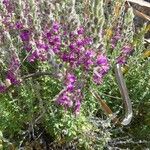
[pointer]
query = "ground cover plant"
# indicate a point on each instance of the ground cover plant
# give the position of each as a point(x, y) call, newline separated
point(66, 69)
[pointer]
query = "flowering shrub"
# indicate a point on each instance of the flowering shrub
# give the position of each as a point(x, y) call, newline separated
point(72, 54)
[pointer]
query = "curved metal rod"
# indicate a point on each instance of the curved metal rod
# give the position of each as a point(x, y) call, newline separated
point(125, 95)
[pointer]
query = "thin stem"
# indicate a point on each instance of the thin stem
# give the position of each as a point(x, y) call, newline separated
point(110, 96)
point(37, 74)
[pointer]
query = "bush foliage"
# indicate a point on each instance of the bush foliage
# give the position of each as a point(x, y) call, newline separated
point(55, 56)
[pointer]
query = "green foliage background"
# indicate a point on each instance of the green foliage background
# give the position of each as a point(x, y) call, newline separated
point(31, 109)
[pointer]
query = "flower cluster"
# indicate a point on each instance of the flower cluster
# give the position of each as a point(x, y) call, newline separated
point(126, 49)
point(73, 48)
point(9, 5)
point(125, 53)
point(70, 97)
point(2, 88)
point(101, 69)
point(117, 36)
point(79, 53)
point(70, 47)
point(12, 74)
point(40, 52)
point(70, 82)
point(13, 70)
point(48, 40)
point(71, 100)
point(25, 35)
point(53, 37)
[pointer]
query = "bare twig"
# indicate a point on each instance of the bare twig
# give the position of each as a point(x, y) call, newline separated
point(106, 108)
point(140, 2)
point(147, 40)
point(141, 15)
point(37, 74)
point(107, 95)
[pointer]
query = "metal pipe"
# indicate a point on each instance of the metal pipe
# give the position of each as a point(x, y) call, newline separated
point(125, 95)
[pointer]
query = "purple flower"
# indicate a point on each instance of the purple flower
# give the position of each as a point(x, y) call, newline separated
point(70, 82)
point(88, 64)
point(38, 54)
point(101, 69)
point(64, 100)
point(72, 46)
point(12, 70)
point(72, 35)
point(127, 49)
point(18, 25)
point(113, 45)
point(65, 57)
point(117, 36)
point(12, 77)
point(121, 59)
point(70, 87)
point(54, 40)
point(72, 57)
point(90, 53)
point(42, 45)
point(28, 47)
point(77, 107)
point(80, 30)
point(56, 49)
point(71, 78)
point(9, 6)
point(88, 59)
point(80, 42)
point(25, 35)
point(56, 25)
point(104, 69)
point(2, 88)
point(14, 63)
point(6, 2)
point(34, 55)
point(49, 35)
point(101, 59)
point(97, 78)
point(57, 39)
point(88, 41)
